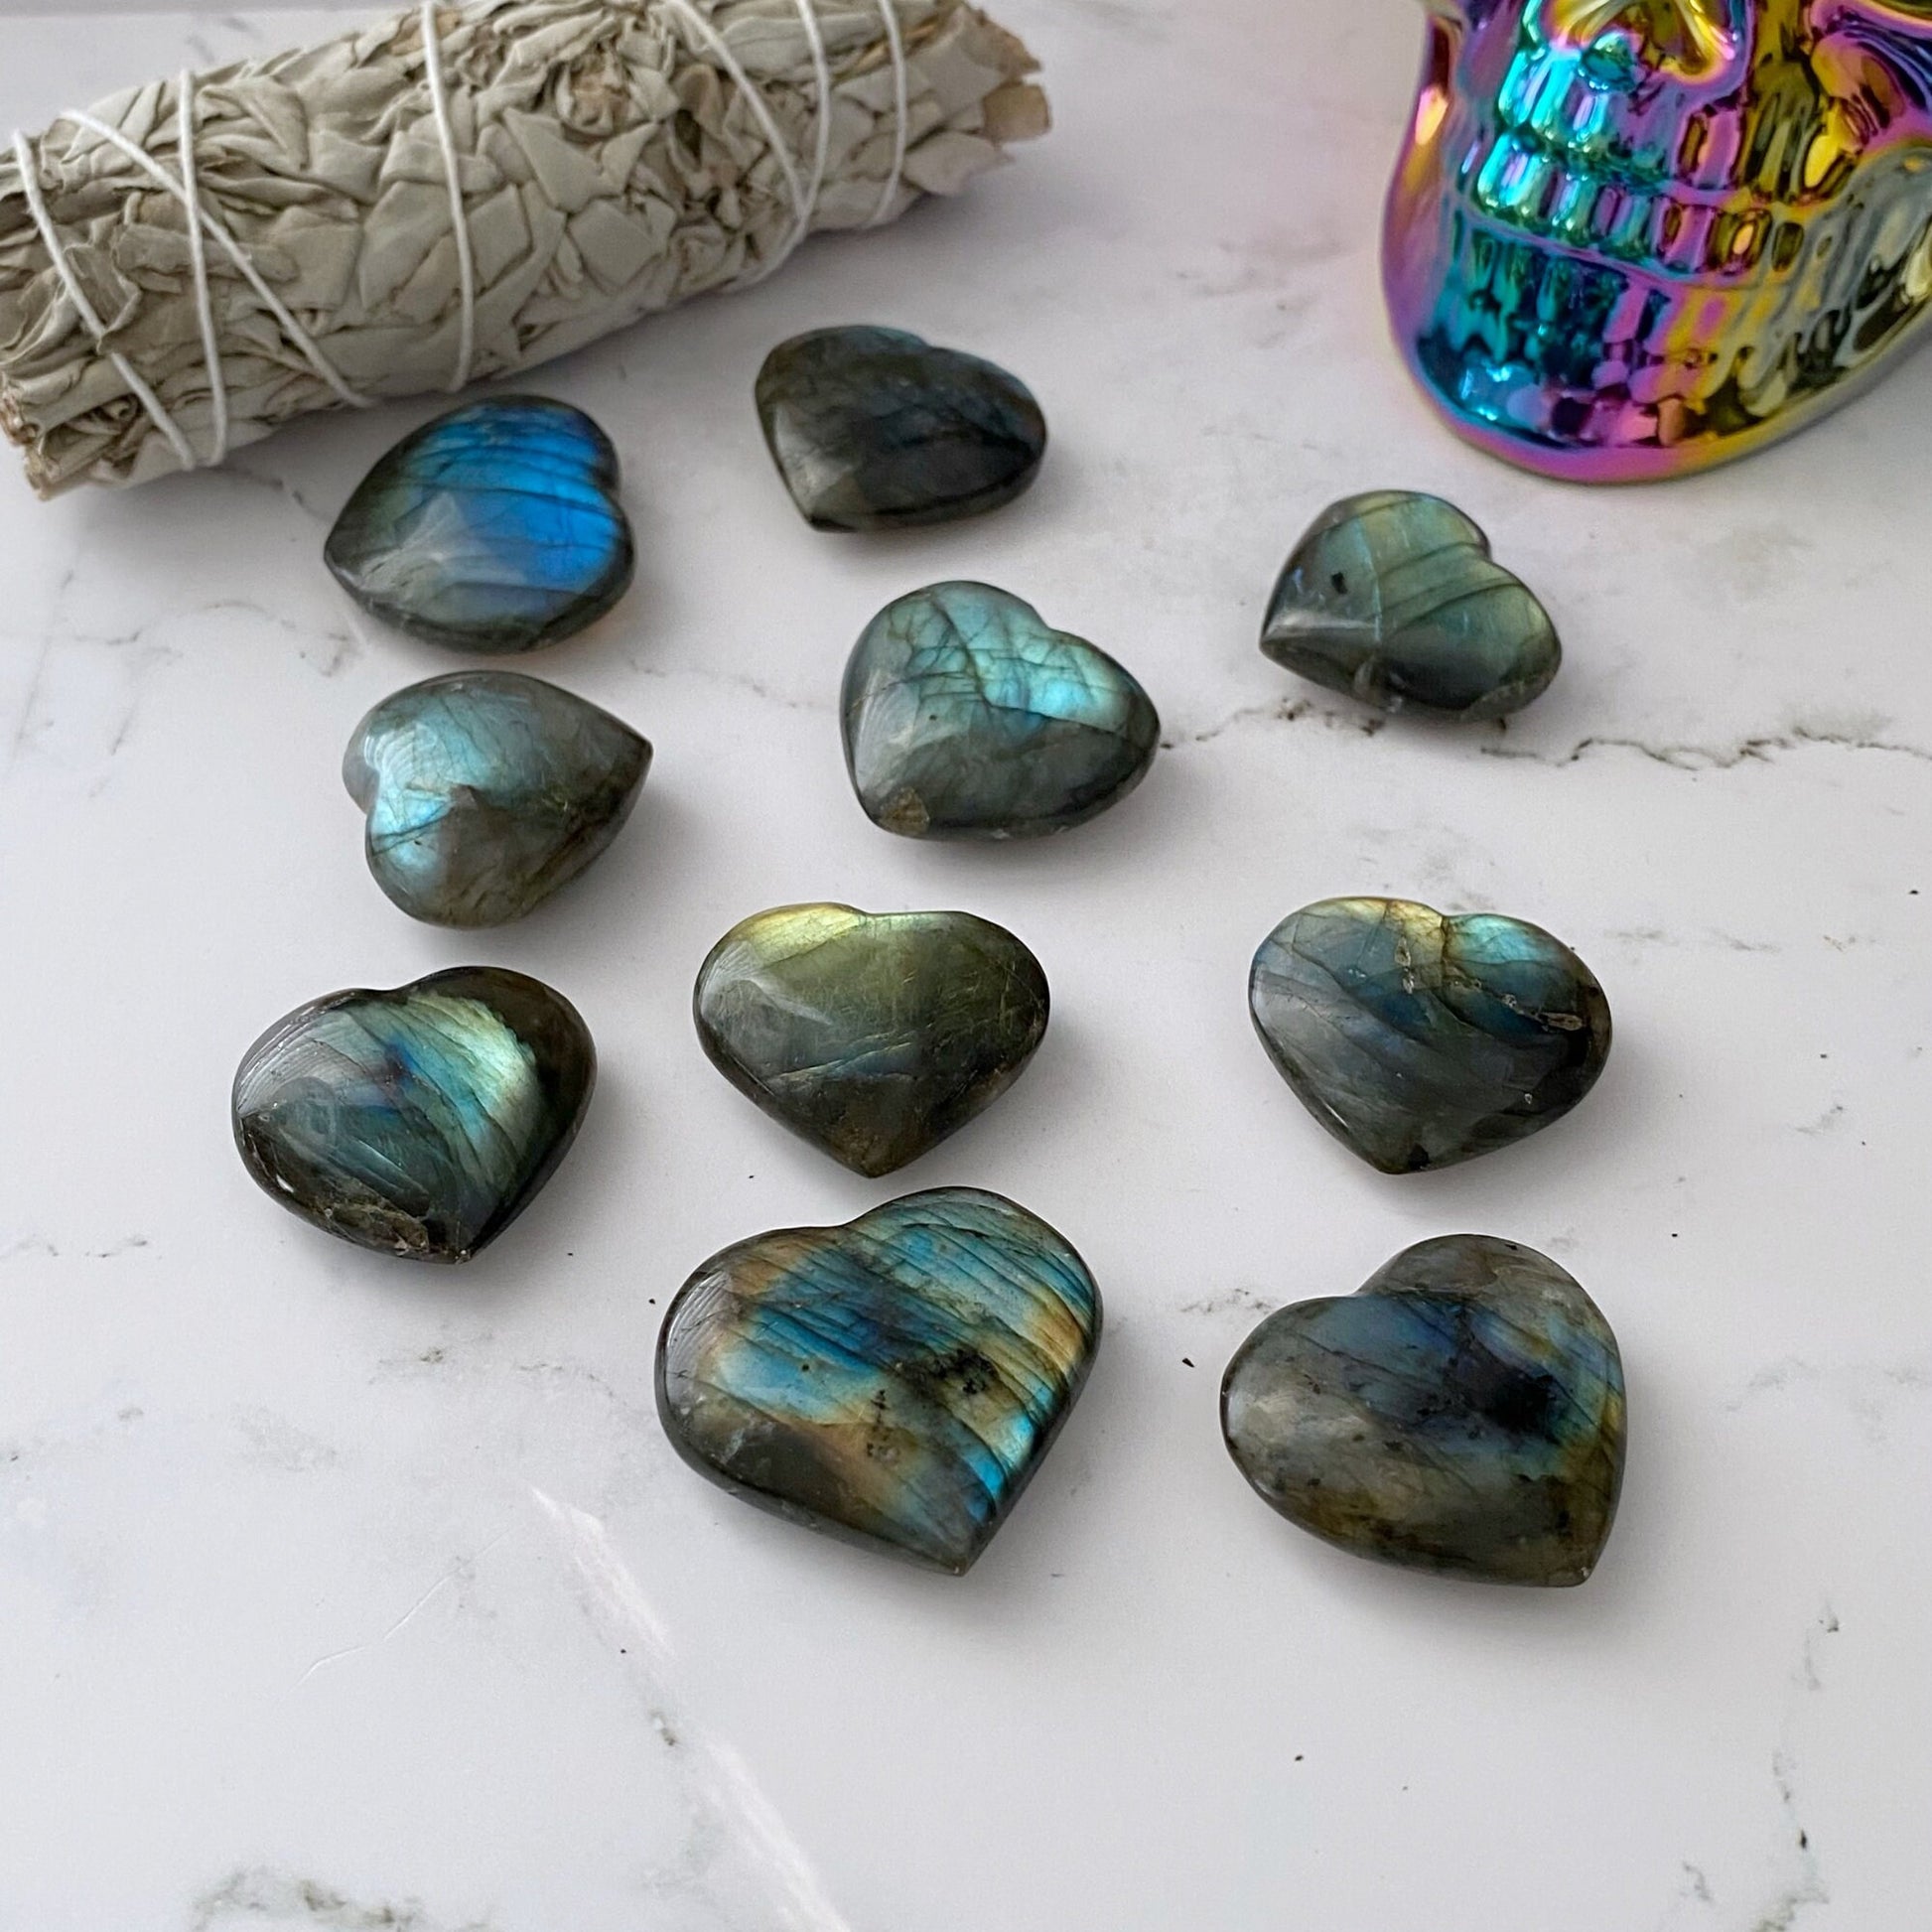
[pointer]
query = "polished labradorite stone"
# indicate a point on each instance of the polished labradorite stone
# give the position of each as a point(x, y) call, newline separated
point(874, 1037)
point(486, 790)
point(494, 529)
point(1420, 1040)
point(967, 718)
point(872, 429)
point(420, 1122)
point(1393, 598)
point(896, 1382)
point(1462, 1413)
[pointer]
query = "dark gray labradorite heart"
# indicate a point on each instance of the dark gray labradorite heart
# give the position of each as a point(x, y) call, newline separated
point(419, 1122)
point(1463, 1413)
point(486, 790)
point(875, 429)
point(1393, 597)
point(494, 529)
point(874, 1037)
point(967, 717)
point(896, 1382)
point(1420, 1040)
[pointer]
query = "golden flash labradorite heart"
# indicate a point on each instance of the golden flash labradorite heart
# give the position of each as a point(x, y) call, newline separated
point(872, 1035)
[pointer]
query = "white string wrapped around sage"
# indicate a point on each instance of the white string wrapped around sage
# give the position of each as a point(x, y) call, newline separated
point(610, 157)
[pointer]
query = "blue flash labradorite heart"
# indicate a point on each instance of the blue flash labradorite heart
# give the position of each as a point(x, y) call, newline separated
point(896, 1382)
point(1420, 1040)
point(874, 1037)
point(419, 1122)
point(875, 429)
point(1394, 599)
point(486, 790)
point(966, 716)
point(494, 529)
point(1462, 1413)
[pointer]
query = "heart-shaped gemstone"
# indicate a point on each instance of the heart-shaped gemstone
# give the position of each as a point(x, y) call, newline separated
point(896, 1382)
point(875, 429)
point(967, 717)
point(486, 790)
point(419, 1122)
point(494, 529)
point(874, 1037)
point(1394, 599)
point(1463, 1413)
point(1420, 1040)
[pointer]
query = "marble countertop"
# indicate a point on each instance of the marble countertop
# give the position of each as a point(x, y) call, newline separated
point(337, 1594)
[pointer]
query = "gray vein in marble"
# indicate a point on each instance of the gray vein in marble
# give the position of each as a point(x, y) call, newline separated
point(1278, 710)
point(239, 472)
point(1763, 748)
point(50, 1250)
point(735, 681)
point(1869, 1391)
point(1233, 1300)
point(252, 1894)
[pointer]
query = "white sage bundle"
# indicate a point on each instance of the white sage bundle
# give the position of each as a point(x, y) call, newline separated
point(459, 192)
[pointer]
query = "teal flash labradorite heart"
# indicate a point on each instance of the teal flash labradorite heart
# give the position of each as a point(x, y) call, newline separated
point(420, 1122)
point(967, 718)
point(1393, 598)
point(872, 1037)
point(494, 529)
point(874, 429)
point(896, 1382)
point(1462, 1413)
point(486, 790)
point(1420, 1040)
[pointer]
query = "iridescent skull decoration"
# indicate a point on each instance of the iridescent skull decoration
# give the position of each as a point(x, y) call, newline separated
point(1631, 238)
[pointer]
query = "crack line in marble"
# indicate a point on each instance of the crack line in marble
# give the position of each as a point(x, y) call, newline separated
point(463, 1567)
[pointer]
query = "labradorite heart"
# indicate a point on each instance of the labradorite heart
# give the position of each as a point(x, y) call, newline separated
point(967, 717)
point(1420, 1040)
point(419, 1122)
point(1462, 1413)
point(494, 528)
point(896, 1382)
point(875, 429)
point(486, 790)
point(1394, 599)
point(874, 1037)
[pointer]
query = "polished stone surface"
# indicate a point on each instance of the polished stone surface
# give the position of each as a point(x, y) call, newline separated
point(419, 1122)
point(876, 429)
point(1462, 1413)
point(1420, 1040)
point(873, 1035)
point(1394, 599)
point(896, 1382)
point(494, 529)
point(486, 790)
point(967, 717)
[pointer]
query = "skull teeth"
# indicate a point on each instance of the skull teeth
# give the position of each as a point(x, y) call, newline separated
point(1519, 183)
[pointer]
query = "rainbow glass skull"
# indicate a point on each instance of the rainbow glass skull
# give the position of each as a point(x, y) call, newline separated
point(1631, 238)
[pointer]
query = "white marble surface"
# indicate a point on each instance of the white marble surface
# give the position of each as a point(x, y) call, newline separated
point(334, 1594)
